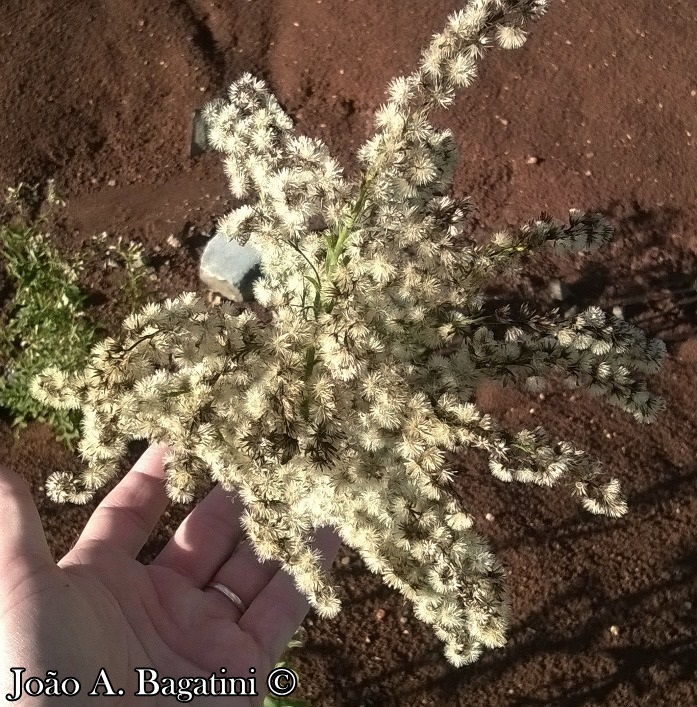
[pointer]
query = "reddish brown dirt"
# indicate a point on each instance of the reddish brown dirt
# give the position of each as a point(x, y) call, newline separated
point(605, 97)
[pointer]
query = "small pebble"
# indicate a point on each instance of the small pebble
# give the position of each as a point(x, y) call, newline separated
point(380, 614)
point(112, 182)
point(558, 290)
point(614, 630)
point(531, 160)
point(489, 516)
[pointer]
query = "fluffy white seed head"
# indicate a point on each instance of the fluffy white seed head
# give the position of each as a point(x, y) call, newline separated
point(341, 407)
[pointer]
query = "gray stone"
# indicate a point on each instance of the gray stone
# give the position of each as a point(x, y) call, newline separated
point(230, 268)
point(558, 290)
point(199, 134)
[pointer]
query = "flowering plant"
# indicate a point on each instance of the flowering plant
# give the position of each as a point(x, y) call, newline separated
point(339, 412)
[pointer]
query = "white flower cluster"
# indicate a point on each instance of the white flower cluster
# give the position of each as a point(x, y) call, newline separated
point(341, 410)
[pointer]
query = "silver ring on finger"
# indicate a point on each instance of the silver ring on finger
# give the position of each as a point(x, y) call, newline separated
point(229, 594)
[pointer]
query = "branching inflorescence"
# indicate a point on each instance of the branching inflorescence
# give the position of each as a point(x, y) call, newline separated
point(341, 410)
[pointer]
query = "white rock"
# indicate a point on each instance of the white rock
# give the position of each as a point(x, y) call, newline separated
point(558, 290)
point(230, 268)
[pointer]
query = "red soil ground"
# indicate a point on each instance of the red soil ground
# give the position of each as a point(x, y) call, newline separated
point(100, 97)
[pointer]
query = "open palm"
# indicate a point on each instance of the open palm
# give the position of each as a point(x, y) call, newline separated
point(99, 612)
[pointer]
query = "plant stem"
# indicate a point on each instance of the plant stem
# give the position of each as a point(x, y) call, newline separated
point(345, 231)
point(333, 253)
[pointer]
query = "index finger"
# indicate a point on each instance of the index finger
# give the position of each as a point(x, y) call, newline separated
point(129, 513)
point(23, 538)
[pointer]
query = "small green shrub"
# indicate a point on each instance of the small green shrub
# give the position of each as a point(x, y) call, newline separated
point(45, 323)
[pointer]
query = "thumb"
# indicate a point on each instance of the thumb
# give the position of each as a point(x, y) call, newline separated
point(22, 540)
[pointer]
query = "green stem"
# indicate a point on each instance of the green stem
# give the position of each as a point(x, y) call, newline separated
point(345, 231)
point(333, 253)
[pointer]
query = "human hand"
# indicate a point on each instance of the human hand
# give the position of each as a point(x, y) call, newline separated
point(99, 609)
